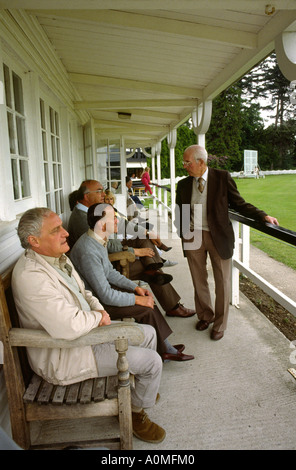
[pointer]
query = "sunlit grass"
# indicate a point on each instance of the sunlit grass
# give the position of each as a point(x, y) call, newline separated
point(276, 196)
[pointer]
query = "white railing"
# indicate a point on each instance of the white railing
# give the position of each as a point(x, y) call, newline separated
point(241, 257)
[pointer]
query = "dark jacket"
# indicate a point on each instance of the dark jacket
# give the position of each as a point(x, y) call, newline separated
point(222, 195)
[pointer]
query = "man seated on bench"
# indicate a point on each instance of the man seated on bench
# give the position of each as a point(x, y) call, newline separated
point(119, 295)
point(50, 295)
point(147, 268)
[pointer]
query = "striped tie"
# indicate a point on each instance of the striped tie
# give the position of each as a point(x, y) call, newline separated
point(200, 185)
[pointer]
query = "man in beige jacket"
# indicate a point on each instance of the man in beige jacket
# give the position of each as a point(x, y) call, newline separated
point(50, 295)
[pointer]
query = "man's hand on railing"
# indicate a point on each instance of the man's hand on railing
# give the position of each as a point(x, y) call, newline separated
point(271, 220)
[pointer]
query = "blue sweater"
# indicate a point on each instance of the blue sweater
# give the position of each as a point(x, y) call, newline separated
point(90, 259)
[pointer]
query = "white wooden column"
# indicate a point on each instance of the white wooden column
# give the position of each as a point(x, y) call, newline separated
point(159, 192)
point(172, 139)
point(201, 119)
point(285, 48)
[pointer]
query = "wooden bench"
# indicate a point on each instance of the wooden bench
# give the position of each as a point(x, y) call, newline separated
point(44, 415)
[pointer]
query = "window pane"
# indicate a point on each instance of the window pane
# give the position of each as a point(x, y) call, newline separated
point(24, 174)
point(53, 149)
point(7, 86)
point(18, 93)
point(55, 177)
point(44, 146)
point(60, 176)
point(52, 120)
point(48, 203)
point(58, 150)
point(11, 132)
point(46, 175)
point(61, 201)
point(57, 202)
point(42, 114)
point(15, 179)
point(115, 174)
point(57, 127)
point(21, 136)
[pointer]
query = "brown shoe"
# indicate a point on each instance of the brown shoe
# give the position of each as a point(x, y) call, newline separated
point(202, 325)
point(216, 335)
point(180, 311)
point(145, 429)
point(176, 357)
point(179, 347)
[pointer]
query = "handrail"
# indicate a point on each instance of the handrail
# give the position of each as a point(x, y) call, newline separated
point(275, 231)
point(161, 186)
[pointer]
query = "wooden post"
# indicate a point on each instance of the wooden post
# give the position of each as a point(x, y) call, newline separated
point(124, 396)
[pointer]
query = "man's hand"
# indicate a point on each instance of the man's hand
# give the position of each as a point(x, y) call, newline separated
point(271, 220)
point(144, 252)
point(144, 297)
point(105, 318)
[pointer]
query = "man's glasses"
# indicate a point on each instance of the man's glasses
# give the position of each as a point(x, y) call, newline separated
point(186, 163)
point(96, 191)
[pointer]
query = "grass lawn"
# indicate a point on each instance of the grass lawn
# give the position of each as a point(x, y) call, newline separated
point(276, 196)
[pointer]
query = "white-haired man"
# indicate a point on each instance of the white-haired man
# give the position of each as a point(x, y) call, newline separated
point(213, 192)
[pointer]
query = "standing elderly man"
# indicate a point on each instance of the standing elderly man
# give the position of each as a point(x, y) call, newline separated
point(50, 295)
point(207, 194)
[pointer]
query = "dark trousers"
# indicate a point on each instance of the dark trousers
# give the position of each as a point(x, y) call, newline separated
point(146, 315)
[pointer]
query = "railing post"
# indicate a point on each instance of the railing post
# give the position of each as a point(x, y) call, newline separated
point(165, 200)
point(234, 282)
point(172, 140)
point(245, 252)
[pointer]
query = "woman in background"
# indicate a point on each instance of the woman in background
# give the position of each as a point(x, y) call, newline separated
point(146, 180)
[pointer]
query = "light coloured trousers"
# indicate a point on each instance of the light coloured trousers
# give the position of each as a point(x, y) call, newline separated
point(144, 363)
point(197, 261)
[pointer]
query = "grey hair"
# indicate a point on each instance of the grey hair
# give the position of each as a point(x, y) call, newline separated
point(31, 224)
point(198, 152)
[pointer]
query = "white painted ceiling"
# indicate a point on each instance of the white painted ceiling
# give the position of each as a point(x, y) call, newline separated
point(156, 60)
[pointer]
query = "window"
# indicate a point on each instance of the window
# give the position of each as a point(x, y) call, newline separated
point(108, 154)
point(17, 134)
point(52, 161)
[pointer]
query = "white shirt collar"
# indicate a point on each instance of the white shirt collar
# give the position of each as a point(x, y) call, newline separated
point(204, 176)
point(81, 207)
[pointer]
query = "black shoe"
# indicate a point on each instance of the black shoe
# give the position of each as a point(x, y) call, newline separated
point(153, 267)
point(157, 277)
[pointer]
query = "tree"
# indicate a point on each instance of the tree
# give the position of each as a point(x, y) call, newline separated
point(224, 135)
point(185, 137)
point(267, 85)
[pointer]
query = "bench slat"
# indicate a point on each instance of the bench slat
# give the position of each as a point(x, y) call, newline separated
point(72, 393)
point(32, 389)
point(45, 393)
point(98, 393)
point(86, 391)
point(59, 395)
point(111, 387)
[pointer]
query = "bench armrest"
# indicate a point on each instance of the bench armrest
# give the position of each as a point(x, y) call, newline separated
point(122, 256)
point(103, 334)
